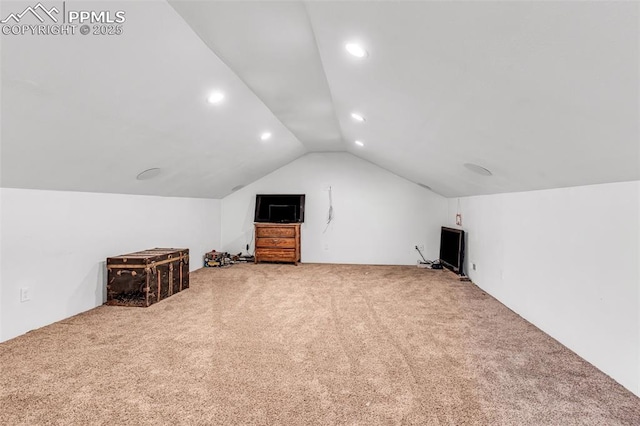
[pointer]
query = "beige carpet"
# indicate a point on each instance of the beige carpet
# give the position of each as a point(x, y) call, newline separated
point(312, 344)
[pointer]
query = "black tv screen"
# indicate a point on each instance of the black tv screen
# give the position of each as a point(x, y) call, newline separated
point(279, 208)
point(452, 249)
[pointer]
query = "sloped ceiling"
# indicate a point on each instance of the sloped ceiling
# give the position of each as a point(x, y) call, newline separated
point(543, 94)
point(89, 113)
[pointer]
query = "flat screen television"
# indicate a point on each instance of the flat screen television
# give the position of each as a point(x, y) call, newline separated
point(279, 208)
point(452, 249)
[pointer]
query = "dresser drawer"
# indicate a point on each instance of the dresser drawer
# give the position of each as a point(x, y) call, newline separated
point(283, 232)
point(276, 255)
point(289, 243)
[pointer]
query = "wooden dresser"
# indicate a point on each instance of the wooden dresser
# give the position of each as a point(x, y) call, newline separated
point(277, 242)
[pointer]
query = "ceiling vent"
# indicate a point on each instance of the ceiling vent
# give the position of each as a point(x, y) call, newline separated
point(148, 174)
point(478, 169)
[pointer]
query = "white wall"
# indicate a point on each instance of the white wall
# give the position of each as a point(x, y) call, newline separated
point(379, 217)
point(1, 267)
point(567, 260)
point(55, 243)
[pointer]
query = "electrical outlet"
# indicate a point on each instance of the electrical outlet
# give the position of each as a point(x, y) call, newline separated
point(473, 266)
point(421, 247)
point(326, 247)
point(25, 294)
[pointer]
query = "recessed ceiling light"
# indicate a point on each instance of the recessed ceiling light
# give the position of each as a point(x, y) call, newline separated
point(235, 188)
point(357, 117)
point(478, 169)
point(359, 143)
point(215, 98)
point(148, 174)
point(356, 50)
point(265, 136)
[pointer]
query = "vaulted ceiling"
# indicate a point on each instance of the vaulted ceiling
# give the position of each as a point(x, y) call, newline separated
point(543, 94)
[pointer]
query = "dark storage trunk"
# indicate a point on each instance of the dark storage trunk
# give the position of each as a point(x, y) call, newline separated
point(146, 277)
